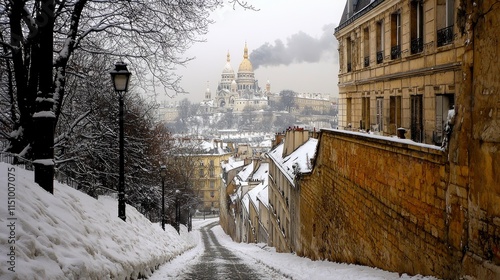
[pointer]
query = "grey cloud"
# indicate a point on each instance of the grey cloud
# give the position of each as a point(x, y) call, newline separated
point(300, 47)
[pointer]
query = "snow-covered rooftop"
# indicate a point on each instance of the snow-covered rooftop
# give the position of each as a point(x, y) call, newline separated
point(263, 196)
point(262, 173)
point(255, 192)
point(243, 175)
point(298, 161)
point(232, 163)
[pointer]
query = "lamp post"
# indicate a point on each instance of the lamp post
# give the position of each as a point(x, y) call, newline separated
point(163, 174)
point(190, 219)
point(177, 212)
point(120, 77)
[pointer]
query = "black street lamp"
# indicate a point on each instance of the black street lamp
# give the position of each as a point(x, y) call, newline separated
point(177, 212)
point(163, 174)
point(190, 219)
point(120, 77)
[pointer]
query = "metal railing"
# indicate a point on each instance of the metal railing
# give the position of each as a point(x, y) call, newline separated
point(380, 57)
point(27, 164)
point(445, 36)
point(395, 51)
point(417, 45)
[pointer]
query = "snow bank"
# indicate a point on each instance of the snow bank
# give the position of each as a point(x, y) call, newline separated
point(70, 235)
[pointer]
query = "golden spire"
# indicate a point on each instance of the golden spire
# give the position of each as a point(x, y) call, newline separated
point(245, 52)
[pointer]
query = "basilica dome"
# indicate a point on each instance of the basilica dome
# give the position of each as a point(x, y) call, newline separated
point(245, 65)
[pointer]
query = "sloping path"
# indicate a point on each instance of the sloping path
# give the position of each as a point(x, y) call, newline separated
point(214, 261)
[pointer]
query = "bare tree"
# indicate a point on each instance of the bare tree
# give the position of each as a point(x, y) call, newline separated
point(39, 39)
point(287, 99)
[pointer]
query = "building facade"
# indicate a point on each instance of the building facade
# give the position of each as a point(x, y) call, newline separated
point(399, 66)
point(207, 178)
point(288, 160)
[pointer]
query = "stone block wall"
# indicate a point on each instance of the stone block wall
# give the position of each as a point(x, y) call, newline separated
point(378, 202)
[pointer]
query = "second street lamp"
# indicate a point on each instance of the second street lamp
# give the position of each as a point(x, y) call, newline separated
point(177, 212)
point(163, 174)
point(120, 77)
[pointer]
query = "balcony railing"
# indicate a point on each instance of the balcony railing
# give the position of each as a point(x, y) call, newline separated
point(349, 67)
point(380, 56)
point(417, 45)
point(445, 36)
point(367, 61)
point(395, 51)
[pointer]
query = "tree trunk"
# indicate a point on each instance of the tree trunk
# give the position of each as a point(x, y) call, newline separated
point(43, 142)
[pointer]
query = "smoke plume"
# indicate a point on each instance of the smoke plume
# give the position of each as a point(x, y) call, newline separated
point(300, 47)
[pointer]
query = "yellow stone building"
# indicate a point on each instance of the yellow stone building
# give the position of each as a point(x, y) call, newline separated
point(207, 177)
point(399, 66)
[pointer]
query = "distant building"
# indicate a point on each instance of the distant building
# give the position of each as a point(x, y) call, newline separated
point(235, 92)
point(207, 174)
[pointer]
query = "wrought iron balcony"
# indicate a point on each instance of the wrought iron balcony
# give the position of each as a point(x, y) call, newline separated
point(380, 56)
point(417, 45)
point(445, 36)
point(395, 51)
point(367, 61)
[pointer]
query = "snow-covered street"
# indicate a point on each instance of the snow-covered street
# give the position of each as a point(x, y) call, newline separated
point(210, 260)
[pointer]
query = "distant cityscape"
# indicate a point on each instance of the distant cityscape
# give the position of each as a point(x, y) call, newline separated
point(241, 105)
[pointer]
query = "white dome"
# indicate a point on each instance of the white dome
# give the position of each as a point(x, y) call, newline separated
point(227, 68)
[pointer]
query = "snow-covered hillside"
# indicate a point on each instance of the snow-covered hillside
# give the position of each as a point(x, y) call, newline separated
point(70, 235)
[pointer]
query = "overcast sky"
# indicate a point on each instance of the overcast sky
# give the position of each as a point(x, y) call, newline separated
point(290, 43)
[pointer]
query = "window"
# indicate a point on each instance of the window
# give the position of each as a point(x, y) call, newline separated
point(380, 41)
point(444, 102)
point(365, 113)
point(366, 46)
point(201, 173)
point(445, 23)
point(395, 35)
point(212, 194)
point(395, 114)
point(417, 26)
point(380, 113)
point(212, 172)
point(212, 184)
point(349, 55)
point(416, 110)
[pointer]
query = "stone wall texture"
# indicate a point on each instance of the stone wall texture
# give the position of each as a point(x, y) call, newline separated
point(377, 202)
point(408, 207)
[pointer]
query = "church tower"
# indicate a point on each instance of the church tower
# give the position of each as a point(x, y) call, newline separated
point(227, 76)
point(268, 87)
point(246, 77)
point(208, 94)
